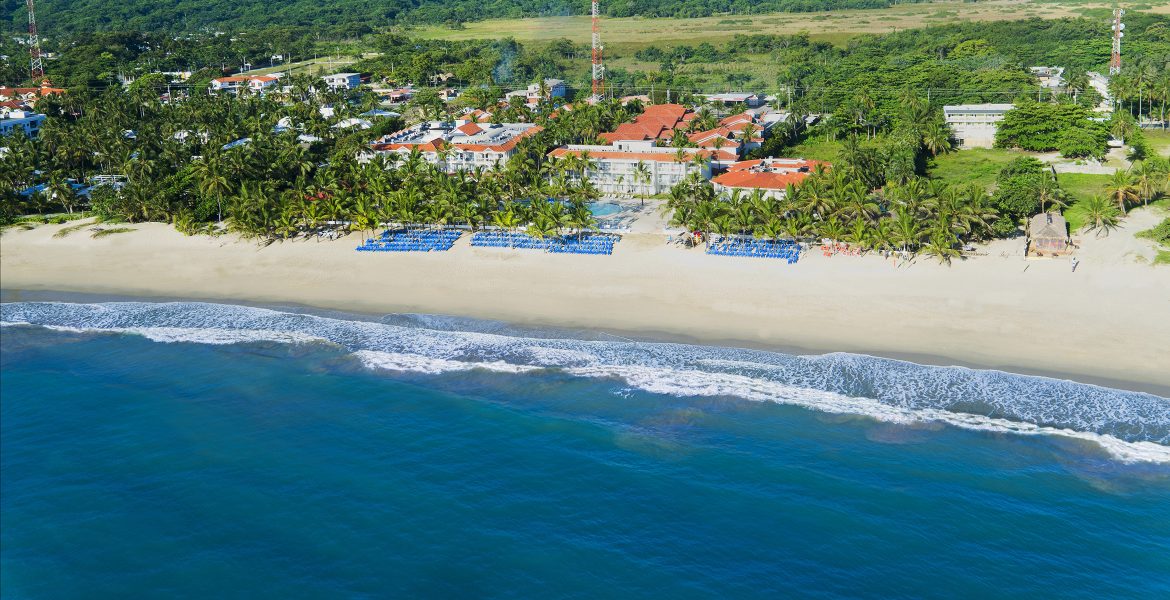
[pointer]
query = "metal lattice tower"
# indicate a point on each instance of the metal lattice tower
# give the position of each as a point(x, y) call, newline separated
point(36, 66)
point(1118, 33)
point(598, 67)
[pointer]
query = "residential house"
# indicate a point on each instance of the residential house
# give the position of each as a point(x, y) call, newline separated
point(553, 88)
point(254, 83)
point(737, 99)
point(1050, 77)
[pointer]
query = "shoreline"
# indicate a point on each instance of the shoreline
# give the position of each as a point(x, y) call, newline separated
point(1106, 324)
point(641, 336)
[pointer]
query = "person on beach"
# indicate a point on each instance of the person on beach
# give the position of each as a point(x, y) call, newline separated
point(1075, 262)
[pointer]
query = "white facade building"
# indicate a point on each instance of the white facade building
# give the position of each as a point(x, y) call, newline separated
point(12, 121)
point(343, 81)
point(613, 167)
point(975, 124)
point(461, 145)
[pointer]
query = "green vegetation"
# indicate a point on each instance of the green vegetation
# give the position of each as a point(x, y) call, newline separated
point(1043, 127)
point(232, 15)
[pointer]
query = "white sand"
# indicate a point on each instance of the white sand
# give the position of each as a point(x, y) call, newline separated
point(1110, 320)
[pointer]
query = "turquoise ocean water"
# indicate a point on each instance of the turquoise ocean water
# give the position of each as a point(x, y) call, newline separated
point(205, 450)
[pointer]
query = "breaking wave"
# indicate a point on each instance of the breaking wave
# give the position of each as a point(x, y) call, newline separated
point(1131, 426)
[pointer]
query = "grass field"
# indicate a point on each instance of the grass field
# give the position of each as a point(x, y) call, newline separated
point(1159, 140)
point(625, 36)
point(631, 33)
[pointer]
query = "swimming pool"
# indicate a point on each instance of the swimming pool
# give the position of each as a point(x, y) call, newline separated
point(605, 209)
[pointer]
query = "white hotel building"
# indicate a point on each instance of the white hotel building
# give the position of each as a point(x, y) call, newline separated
point(461, 145)
point(975, 124)
point(613, 166)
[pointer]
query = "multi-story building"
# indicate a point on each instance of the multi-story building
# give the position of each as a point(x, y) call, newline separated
point(771, 176)
point(461, 145)
point(12, 121)
point(343, 81)
point(975, 124)
point(614, 169)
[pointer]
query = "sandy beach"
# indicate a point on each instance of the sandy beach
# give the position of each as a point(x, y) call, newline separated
point(1106, 323)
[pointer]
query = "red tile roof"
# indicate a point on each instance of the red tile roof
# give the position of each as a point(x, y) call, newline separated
point(469, 129)
point(664, 156)
point(759, 174)
point(657, 122)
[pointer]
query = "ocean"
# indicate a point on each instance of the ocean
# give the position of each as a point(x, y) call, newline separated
point(186, 449)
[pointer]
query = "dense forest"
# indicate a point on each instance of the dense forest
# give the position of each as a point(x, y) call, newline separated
point(360, 15)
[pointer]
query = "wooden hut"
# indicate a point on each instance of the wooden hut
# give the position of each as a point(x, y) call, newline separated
point(1048, 235)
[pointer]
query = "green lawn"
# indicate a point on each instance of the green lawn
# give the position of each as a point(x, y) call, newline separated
point(974, 165)
point(1159, 140)
point(816, 148)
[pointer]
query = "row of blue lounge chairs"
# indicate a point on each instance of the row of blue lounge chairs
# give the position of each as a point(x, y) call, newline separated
point(585, 244)
point(782, 249)
point(427, 240)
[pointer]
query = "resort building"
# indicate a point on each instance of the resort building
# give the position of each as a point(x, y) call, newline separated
point(657, 122)
point(612, 169)
point(975, 124)
point(461, 145)
point(1048, 235)
point(343, 81)
point(19, 121)
point(772, 176)
point(28, 95)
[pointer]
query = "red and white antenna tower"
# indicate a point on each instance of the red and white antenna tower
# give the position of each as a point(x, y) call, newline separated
point(1118, 33)
point(598, 68)
point(37, 67)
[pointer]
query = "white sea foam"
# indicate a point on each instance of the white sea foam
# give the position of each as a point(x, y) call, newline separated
point(415, 363)
point(212, 336)
point(690, 383)
point(1130, 425)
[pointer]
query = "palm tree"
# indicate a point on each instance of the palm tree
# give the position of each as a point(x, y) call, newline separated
point(213, 179)
point(642, 176)
point(1121, 190)
point(1100, 214)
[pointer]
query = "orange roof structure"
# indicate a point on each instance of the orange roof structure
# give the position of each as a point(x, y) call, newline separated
point(767, 173)
point(664, 156)
point(658, 121)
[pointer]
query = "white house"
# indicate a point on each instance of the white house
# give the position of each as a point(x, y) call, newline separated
point(12, 121)
point(734, 99)
point(975, 124)
point(343, 81)
point(234, 83)
point(554, 88)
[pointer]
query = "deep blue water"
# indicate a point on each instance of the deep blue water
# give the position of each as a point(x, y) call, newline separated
point(261, 462)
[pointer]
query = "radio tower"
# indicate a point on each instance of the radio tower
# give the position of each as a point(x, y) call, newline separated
point(1118, 33)
point(598, 68)
point(37, 68)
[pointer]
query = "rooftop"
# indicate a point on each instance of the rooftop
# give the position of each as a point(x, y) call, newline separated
point(463, 133)
point(767, 173)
